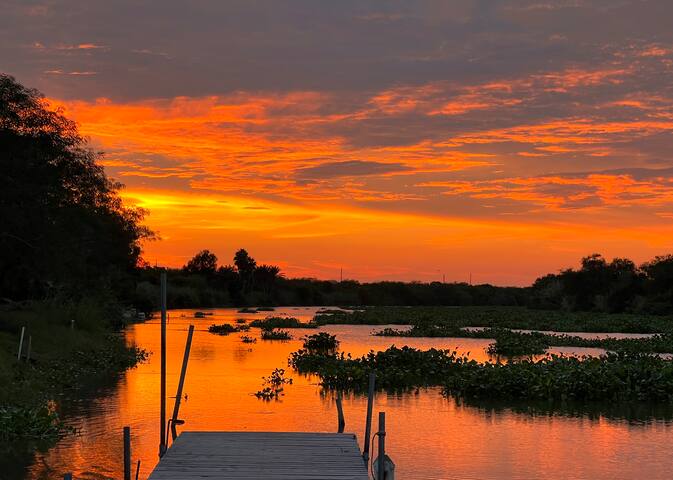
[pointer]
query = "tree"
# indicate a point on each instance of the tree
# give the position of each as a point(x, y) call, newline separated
point(245, 265)
point(63, 222)
point(266, 276)
point(204, 262)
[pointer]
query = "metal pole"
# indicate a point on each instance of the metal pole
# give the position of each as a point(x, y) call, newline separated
point(382, 446)
point(127, 453)
point(23, 331)
point(183, 372)
point(162, 444)
point(368, 423)
point(340, 412)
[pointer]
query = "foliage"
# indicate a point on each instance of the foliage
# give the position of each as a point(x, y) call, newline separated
point(321, 343)
point(614, 376)
point(510, 344)
point(444, 321)
point(64, 227)
point(248, 339)
point(274, 385)
point(223, 329)
point(204, 262)
point(40, 422)
point(280, 322)
point(276, 335)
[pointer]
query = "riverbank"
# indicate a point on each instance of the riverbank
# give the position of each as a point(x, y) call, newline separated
point(71, 345)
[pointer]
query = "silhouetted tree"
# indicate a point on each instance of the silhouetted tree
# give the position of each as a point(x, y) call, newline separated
point(204, 262)
point(63, 222)
point(265, 277)
point(245, 265)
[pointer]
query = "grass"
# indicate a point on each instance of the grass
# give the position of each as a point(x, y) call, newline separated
point(71, 345)
point(501, 317)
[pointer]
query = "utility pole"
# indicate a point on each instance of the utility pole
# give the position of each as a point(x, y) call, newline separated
point(341, 275)
point(470, 278)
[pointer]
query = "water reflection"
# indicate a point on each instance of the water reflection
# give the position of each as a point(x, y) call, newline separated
point(430, 436)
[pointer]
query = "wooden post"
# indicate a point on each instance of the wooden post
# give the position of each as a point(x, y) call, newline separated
point(23, 331)
point(127, 453)
point(183, 372)
point(137, 469)
point(368, 423)
point(340, 412)
point(382, 446)
point(30, 345)
point(67, 476)
point(162, 443)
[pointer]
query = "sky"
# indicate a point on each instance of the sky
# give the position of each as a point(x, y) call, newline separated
point(397, 140)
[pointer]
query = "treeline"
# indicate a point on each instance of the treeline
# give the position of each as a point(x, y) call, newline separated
point(598, 285)
point(614, 287)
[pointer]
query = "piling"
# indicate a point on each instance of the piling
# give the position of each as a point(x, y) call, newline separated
point(30, 345)
point(183, 372)
point(340, 413)
point(23, 332)
point(368, 422)
point(162, 442)
point(382, 446)
point(127, 453)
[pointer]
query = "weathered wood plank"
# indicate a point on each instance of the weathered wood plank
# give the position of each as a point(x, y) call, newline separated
point(268, 455)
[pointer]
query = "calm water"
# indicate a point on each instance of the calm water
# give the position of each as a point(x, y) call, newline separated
point(429, 436)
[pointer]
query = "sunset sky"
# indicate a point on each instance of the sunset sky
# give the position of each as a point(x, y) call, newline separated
point(398, 140)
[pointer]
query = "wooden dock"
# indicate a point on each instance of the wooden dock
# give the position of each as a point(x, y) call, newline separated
point(262, 455)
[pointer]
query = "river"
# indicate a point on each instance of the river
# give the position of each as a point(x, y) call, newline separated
point(429, 436)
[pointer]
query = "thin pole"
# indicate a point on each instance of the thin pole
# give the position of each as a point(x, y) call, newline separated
point(382, 446)
point(127, 453)
point(137, 469)
point(162, 444)
point(30, 344)
point(67, 476)
point(183, 372)
point(23, 331)
point(340, 412)
point(368, 423)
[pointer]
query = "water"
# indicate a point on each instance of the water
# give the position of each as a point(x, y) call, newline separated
point(429, 436)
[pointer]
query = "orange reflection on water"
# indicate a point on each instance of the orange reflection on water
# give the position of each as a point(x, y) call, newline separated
point(429, 436)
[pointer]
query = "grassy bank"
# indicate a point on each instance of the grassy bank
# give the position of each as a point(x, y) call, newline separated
point(449, 318)
point(72, 345)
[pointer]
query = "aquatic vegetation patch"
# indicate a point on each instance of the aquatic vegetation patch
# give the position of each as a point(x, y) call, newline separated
point(223, 329)
point(281, 322)
point(276, 335)
point(41, 422)
point(247, 310)
point(511, 344)
point(321, 343)
point(614, 376)
point(248, 339)
point(273, 385)
point(503, 317)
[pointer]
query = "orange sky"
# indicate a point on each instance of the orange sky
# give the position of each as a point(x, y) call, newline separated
point(505, 149)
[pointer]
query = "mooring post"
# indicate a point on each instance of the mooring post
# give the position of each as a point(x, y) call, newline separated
point(340, 413)
point(368, 422)
point(67, 476)
point(162, 443)
point(23, 332)
point(127, 453)
point(30, 345)
point(183, 372)
point(382, 446)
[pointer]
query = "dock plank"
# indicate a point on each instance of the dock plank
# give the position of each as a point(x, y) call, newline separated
point(267, 455)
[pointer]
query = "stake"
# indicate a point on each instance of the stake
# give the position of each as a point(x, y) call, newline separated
point(382, 446)
point(340, 412)
point(127, 453)
point(67, 476)
point(162, 443)
point(183, 372)
point(137, 469)
point(23, 331)
point(30, 344)
point(368, 423)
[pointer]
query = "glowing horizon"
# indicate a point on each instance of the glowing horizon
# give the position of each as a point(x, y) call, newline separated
point(506, 141)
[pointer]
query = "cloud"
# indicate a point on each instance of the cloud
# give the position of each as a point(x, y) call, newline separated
point(351, 168)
